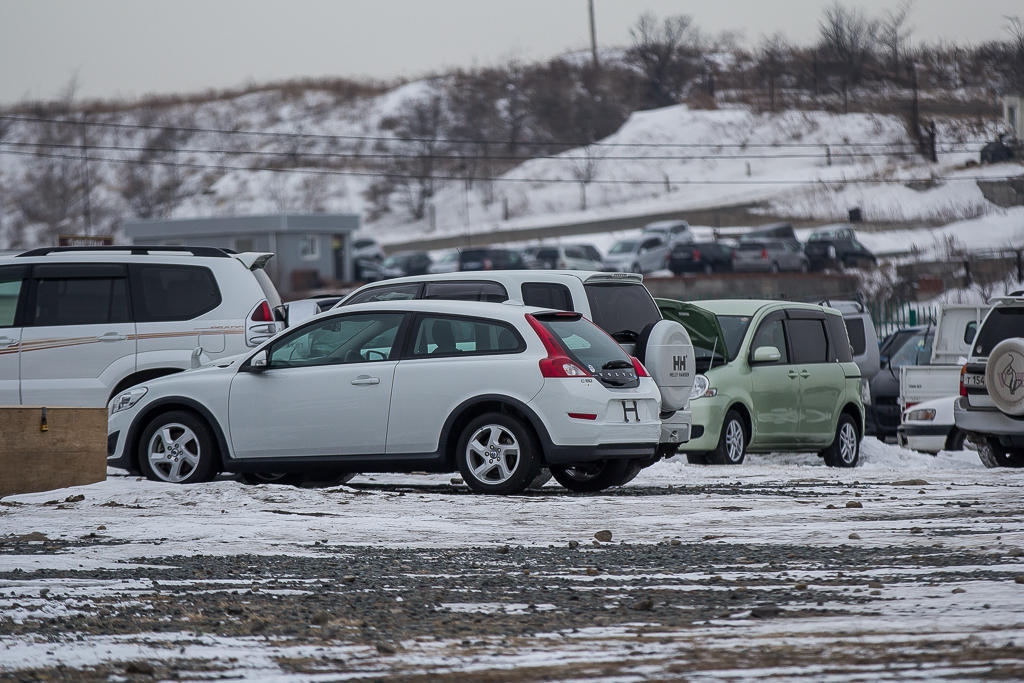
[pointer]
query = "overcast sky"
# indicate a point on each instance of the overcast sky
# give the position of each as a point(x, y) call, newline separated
point(131, 48)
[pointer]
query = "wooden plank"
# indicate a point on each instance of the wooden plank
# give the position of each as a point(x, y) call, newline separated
point(71, 452)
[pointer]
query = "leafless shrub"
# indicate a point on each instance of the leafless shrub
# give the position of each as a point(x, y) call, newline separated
point(656, 51)
point(585, 165)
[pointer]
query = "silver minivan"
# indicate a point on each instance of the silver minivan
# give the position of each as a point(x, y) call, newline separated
point(644, 254)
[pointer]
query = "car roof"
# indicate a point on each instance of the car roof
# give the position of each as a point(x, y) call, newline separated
point(753, 306)
point(514, 276)
point(507, 311)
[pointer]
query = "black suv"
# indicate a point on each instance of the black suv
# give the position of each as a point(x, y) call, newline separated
point(837, 246)
point(701, 257)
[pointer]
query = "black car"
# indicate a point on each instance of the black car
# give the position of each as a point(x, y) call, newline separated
point(406, 263)
point(908, 346)
point(701, 257)
point(490, 259)
point(836, 247)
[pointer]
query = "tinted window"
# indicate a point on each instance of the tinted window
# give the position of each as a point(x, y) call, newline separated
point(363, 243)
point(547, 255)
point(916, 351)
point(547, 295)
point(751, 246)
point(11, 280)
point(855, 332)
point(626, 247)
point(651, 244)
point(387, 293)
point(1002, 323)
point(969, 332)
point(734, 327)
point(573, 252)
point(173, 292)
point(810, 345)
point(771, 334)
point(840, 336)
point(586, 344)
point(466, 291)
point(622, 308)
point(442, 336)
point(344, 339)
point(86, 301)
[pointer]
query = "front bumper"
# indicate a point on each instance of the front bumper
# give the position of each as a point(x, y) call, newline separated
point(985, 422)
point(117, 433)
point(707, 416)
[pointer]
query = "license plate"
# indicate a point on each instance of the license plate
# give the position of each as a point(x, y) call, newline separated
point(974, 381)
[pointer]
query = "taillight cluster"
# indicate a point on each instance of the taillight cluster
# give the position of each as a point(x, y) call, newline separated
point(696, 254)
point(557, 363)
point(764, 254)
point(963, 389)
point(262, 314)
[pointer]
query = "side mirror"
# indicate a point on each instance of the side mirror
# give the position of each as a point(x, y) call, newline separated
point(258, 363)
point(766, 354)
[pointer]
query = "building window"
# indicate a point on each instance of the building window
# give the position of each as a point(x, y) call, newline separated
point(309, 248)
point(1011, 118)
point(244, 244)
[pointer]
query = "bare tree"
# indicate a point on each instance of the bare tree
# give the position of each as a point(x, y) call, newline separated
point(849, 37)
point(422, 125)
point(656, 51)
point(771, 58)
point(894, 35)
point(1015, 59)
point(585, 165)
point(152, 184)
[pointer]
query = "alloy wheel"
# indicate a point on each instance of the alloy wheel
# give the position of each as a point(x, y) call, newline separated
point(848, 443)
point(173, 452)
point(734, 441)
point(493, 454)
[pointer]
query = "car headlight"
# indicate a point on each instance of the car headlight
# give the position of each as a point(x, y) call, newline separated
point(701, 388)
point(925, 415)
point(865, 391)
point(127, 399)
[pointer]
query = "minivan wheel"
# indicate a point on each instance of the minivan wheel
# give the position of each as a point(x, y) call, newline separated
point(732, 443)
point(845, 448)
point(177, 447)
point(498, 454)
point(994, 454)
point(590, 477)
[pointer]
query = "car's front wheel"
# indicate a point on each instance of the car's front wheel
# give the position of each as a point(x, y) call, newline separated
point(590, 477)
point(845, 448)
point(732, 443)
point(178, 447)
point(498, 454)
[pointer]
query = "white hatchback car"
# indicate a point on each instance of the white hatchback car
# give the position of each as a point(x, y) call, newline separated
point(80, 324)
point(495, 391)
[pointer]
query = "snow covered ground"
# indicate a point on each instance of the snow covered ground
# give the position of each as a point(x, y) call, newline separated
point(900, 569)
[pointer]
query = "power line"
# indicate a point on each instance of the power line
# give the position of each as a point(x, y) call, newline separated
point(460, 141)
point(499, 179)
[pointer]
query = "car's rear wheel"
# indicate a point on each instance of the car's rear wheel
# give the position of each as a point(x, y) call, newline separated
point(956, 441)
point(732, 443)
point(498, 454)
point(590, 477)
point(177, 447)
point(994, 454)
point(845, 448)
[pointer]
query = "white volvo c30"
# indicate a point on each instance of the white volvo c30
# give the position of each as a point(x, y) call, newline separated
point(494, 391)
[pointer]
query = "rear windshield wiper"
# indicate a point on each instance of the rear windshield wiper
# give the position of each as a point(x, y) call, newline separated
point(625, 335)
point(616, 364)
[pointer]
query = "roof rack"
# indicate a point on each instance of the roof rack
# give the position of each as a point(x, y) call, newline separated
point(134, 249)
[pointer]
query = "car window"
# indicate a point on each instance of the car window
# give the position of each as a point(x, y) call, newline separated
point(589, 346)
point(858, 339)
point(969, 332)
point(626, 247)
point(363, 243)
point(839, 338)
point(916, 351)
point(447, 336)
point(652, 243)
point(771, 333)
point(734, 327)
point(81, 301)
point(810, 345)
point(169, 292)
point(11, 282)
point(358, 338)
point(1002, 323)
point(547, 295)
point(622, 308)
point(466, 291)
point(574, 252)
point(548, 255)
point(752, 246)
point(402, 292)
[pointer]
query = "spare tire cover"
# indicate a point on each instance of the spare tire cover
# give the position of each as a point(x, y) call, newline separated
point(1004, 376)
point(668, 357)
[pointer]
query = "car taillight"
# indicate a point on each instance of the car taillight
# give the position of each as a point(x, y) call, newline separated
point(641, 371)
point(262, 314)
point(764, 254)
point(696, 254)
point(963, 389)
point(557, 363)
point(488, 265)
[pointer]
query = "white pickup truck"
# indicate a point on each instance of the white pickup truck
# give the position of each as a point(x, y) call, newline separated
point(940, 377)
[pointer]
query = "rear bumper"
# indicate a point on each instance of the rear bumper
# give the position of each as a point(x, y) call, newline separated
point(566, 455)
point(677, 428)
point(985, 422)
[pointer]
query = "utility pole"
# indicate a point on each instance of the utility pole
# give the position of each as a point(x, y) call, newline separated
point(86, 186)
point(593, 36)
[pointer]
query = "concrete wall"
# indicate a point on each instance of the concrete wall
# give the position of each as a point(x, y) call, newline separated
point(72, 452)
point(811, 287)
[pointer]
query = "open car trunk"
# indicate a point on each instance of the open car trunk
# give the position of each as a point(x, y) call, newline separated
point(706, 333)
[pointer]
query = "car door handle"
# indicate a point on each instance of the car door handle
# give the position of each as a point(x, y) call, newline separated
point(793, 374)
point(364, 379)
point(805, 374)
point(7, 341)
point(111, 336)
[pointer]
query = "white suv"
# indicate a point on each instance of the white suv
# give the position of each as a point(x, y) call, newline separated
point(79, 325)
point(494, 391)
point(618, 303)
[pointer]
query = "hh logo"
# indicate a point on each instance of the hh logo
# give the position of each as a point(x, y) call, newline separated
point(679, 363)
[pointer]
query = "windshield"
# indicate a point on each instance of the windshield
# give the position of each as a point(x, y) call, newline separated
point(627, 247)
point(622, 310)
point(916, 351)
point(734, 327)
point(1001, 324)
point(751, 246)
point(396, 260)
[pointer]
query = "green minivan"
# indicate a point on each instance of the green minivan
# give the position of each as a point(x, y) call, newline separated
point(773, 376)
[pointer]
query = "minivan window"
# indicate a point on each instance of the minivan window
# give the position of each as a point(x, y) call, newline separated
point(810, 345)
point(81, 301)
point(841, 336)
point(622, 310)
point(735, 328)
point(855, 331)
point(466, 291)
point(169, 292)
point(1001, 323)
point(547, 295)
